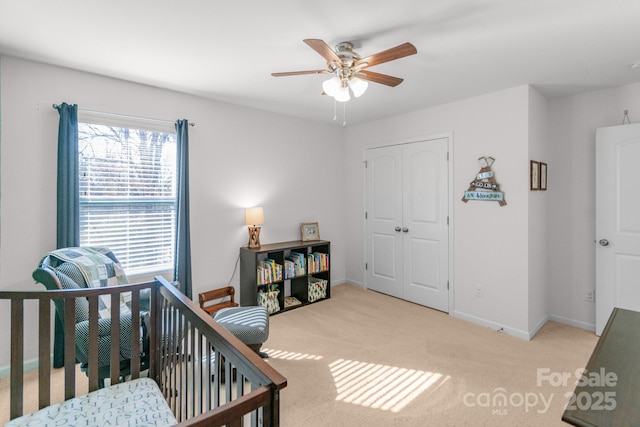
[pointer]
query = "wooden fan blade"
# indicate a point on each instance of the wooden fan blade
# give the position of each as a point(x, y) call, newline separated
point(297, 73)
point(397, 52)
point(323, 49)
point(379, 78)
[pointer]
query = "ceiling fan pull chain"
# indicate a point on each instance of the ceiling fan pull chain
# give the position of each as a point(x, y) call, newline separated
point(344, 114)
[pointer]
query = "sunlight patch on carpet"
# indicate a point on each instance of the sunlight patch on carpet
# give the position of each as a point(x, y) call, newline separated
point(383, 387)
point(290, 355)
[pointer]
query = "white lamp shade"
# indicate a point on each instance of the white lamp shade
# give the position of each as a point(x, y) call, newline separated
point(331, 86)
point(358, 86)
point(343, 94)
point(254, 216)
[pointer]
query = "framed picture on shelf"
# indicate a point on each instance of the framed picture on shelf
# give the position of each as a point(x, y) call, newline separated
point(309, 231)
point(534, 175)
point(543, 176)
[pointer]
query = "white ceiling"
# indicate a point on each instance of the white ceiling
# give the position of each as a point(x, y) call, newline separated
point(228, 50)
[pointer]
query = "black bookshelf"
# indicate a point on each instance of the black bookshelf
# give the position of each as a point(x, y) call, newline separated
point(297, 286)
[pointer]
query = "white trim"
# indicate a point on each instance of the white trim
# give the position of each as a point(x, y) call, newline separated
point(123, 121)
point(452, 270)
point(354, 283)
point(450, 195)
point(571, 322)
point(541, 323)
point(492, 325)
point(29, 365)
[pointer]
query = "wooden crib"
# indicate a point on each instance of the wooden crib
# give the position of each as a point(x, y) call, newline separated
point(206, 376)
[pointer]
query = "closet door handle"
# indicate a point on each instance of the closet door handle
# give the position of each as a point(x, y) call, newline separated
point(398, 229)
point(405, 230)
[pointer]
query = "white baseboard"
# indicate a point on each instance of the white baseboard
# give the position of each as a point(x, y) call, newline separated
point(571, 322)
point(536, 329)
point(354, 283)
point(491, 325)
point(29, 365)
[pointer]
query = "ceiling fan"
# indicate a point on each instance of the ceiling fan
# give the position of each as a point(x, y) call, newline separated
point(350, 70)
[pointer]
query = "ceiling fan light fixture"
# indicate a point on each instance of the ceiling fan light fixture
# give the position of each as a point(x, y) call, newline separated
point(358, 86)
point(342, 95)
point(331, 86)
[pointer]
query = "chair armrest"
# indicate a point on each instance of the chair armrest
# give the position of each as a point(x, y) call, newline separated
point(227, 291)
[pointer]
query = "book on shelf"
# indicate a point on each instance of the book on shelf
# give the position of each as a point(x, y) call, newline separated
point(291, 302)
point(295, 265)
point(318, 262)
point(268, 271)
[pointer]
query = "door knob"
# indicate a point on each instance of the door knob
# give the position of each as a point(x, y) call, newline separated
point(405, 229)
point(604, 242)
point(397, 228)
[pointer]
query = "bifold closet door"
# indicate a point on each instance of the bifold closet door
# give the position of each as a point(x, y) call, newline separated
point(407, 222)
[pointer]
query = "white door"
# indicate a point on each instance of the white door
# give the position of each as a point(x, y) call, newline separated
point(384, 220)
point(407, 230)
point(617, 221)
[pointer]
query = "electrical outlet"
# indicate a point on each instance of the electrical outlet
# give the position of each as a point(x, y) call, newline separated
point(590, 295)
point(478, 291)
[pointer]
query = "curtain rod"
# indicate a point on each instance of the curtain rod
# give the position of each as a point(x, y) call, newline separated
point(56, 106)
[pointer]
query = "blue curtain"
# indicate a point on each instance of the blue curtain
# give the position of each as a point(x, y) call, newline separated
point(182, 256)
point(68, 228)
point(68, 231)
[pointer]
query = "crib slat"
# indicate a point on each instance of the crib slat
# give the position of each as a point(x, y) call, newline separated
point(192, 365)
point(180, 415)
point(17, 357)
point(69, 348)
point(135, 334)
point(93, 343)
point(115, 343)
point(44, 354)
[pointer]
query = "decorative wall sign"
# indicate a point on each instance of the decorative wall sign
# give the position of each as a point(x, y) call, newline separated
point(484, 186)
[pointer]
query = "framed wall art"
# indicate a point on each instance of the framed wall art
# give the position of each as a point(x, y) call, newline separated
point(543, 176)
point(309, 231)
point(534, 175)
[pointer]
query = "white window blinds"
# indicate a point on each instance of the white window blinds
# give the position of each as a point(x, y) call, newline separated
point(127, 177)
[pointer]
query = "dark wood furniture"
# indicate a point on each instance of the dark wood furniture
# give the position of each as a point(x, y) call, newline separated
point(217, 294)
point(182, 333)
point(607, 393)
point(294, 286)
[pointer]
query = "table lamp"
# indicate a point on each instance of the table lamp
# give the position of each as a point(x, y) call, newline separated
point(253, 217)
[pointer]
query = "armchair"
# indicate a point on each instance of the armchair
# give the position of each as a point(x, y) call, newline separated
point(76, 268)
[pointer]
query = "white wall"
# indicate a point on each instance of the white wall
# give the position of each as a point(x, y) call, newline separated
point(538, 205)
point(571, 200)
point(239, 157)
point(491, 242)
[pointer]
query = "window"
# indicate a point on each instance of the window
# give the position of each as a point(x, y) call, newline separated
point(127, 177)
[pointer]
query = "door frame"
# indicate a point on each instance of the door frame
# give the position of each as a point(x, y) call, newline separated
point(450, 203)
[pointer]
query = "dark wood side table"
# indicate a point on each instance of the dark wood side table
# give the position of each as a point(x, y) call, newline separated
point(608, 393)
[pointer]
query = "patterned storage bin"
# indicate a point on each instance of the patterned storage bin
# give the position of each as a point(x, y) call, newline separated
point(317, 289)
point(269, 300)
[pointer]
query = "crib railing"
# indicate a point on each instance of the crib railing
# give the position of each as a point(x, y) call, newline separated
point(208, 376)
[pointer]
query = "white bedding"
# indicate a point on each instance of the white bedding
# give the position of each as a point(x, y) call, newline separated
point(134, 403)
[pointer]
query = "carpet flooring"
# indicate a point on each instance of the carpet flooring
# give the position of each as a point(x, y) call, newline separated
point(367, 359)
